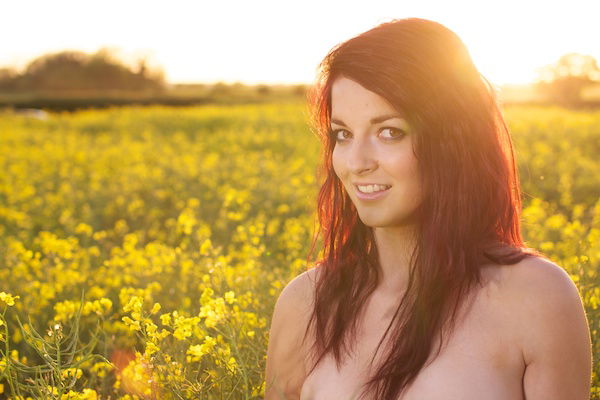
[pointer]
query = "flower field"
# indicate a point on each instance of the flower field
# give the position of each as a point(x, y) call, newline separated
point(142, 248)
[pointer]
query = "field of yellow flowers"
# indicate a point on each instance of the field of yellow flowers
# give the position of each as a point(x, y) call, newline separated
point(142, 249)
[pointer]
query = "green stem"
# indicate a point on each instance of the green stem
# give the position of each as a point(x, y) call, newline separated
point(239, 359)
point(8, 358)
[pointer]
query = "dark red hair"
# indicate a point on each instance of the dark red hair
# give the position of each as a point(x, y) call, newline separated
point(471, 198)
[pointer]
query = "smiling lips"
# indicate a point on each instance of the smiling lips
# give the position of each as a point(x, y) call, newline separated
point(370, 188)
point(371, 191)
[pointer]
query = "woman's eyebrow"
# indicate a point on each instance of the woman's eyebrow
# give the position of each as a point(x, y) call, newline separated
point(374, 120)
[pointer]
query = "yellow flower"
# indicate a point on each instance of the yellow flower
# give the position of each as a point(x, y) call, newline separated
point(52, 389)
point(183, 327)
point(133, 325)
point(211, 317)
point(165, 319)
point(231, 364)
point(72, 372)
point(155, 308)
point(89, 394)
point(151, 348)
point(206, 296)
point(205, 247)
point(106, 304)
point(230, 297)
point(8, 299)
point(198, 350)
point(65, 310)
point(101, 368)
point(214, 311)
point(99, 307)
point(134, 305)
point(84, 228)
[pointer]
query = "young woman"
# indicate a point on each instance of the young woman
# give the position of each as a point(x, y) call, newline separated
point(426, 290)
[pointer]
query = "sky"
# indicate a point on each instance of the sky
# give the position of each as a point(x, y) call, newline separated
point(278, 41)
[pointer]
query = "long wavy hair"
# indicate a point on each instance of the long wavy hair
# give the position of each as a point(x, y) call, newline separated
point(471, 197)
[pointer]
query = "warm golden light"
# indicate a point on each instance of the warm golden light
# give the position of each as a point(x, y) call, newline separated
point(273, 42)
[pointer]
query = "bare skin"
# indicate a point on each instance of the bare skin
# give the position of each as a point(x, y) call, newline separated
point(374, 144)
point(480, 361)
point(525, 335)
point(382, 153)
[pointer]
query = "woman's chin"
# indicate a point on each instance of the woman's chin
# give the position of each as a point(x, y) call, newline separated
point(386, 221)
point(376, 221)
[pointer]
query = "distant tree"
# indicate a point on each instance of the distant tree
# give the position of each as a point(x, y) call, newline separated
point(300, 90)
point(7, 78)
point(263, 89)
point(220, 89)
point(142, 67)
point(563, 81)
point(77, 71)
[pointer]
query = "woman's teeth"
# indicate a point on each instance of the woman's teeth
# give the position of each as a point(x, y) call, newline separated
point(373, 188)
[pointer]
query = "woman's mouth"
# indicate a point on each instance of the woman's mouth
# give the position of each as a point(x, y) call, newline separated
point(372, 191)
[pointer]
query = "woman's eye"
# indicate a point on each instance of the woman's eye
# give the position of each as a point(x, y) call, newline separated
point(393, 133)
point(337, 136)
point(340, 135)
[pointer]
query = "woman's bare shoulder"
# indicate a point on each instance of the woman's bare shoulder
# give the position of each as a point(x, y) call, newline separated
point(531, 285)
point(527, 278)
point(286, 365)
point(299, 292)
point(527, 290)
point(551, 327)
point(536, 264)
point(541, 284)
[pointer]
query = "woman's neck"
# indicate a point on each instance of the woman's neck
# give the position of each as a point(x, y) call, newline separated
point(394, 245)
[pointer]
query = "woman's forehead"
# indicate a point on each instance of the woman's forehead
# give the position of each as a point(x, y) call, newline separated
point(349, 99)
point(346, 92)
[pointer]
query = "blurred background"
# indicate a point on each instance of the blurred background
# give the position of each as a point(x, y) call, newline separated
point(184, 52)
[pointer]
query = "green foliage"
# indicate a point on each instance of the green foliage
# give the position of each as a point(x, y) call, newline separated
point(62, 354)
point(563, 82)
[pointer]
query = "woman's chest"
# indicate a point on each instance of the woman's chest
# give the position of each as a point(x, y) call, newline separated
point(479, 361)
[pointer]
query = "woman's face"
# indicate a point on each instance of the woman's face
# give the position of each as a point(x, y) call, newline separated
point(374, 146)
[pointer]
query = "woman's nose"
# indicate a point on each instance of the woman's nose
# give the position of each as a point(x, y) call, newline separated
point(361, 158)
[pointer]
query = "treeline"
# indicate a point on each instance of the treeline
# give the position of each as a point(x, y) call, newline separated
point(79, 72)
point(70, 80)
point(565, 81)
point(174, 95)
